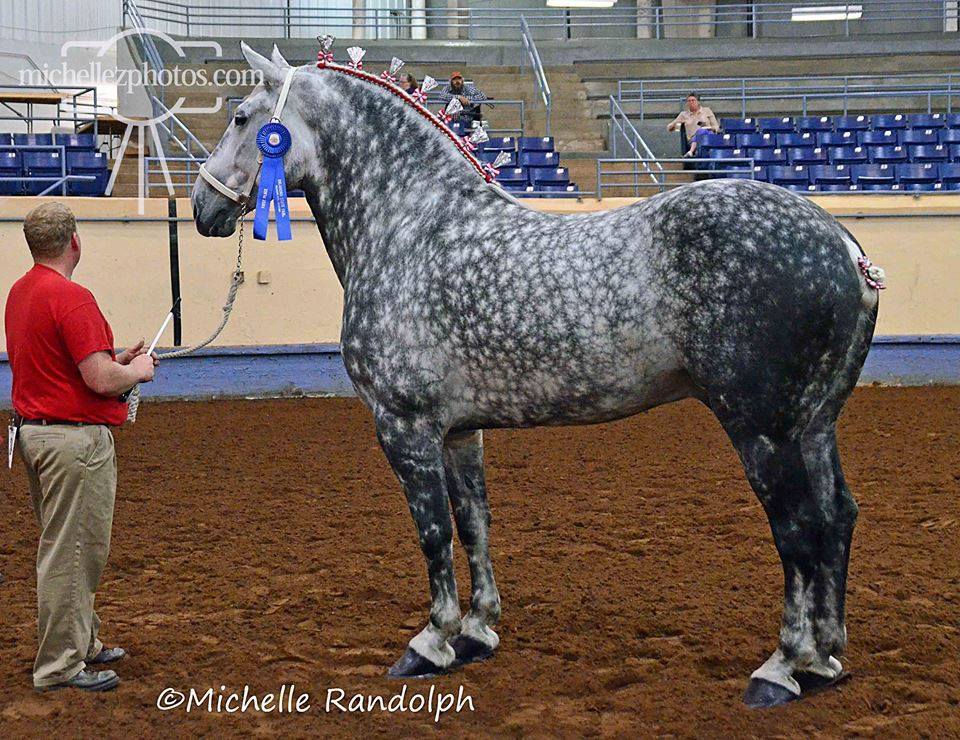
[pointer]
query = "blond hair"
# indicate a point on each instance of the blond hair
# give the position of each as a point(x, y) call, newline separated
point(48, 229)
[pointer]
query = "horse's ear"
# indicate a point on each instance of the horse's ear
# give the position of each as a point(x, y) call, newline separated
point(272, 74)
point(278, 59)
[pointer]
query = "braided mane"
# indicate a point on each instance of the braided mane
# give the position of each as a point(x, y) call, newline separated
point(323, 62)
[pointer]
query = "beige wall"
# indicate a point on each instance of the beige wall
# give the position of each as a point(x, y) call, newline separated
point(126, 266)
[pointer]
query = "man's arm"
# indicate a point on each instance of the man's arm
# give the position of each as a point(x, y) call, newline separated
point(474, 94)
point(108, 378)
point(712, 123)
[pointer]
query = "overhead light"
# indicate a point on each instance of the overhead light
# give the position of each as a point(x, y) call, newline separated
point(827, 13)
point(581, 3)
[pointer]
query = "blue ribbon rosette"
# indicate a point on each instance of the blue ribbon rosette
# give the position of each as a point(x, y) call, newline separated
point(273, 141)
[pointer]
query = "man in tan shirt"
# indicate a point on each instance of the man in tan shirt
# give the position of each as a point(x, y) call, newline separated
point(697, 120)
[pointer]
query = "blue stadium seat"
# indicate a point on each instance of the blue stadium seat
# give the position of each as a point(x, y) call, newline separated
point(885, 121)
point(756, 141)
point(776, 125)
point(929, 153)
point(490, 156)
point(886, 137)
point(797, 187)
point(950, 173)
point(559, 191)
point(927, 120)
point(715, 140)
point(852, 123)
point(907, 173)
point(457, 127)
point(539, 159)
point(836, 174)
point(785, 175)
point(923, 186)
point(760, 173)
point(953, 120)
point(954, 152)
point(867, 174)
point(90, 164)
point(949, 136)
point(805, 155)
point(500, 144)
point(10, 167)
point(723, 153)
point(76, 142)
point(848, 155)
point(920, 136)
point(835, 187)
point(41, 164)
point(555, 175)
point(837, 138)
point(536, 143)
point(738, 126)
point(878, 186)
point(807, 138)
point(513, 176)
point(768, 156)
point(6, 139)
point(881, 154)
point(814, 123)
point(33, 139)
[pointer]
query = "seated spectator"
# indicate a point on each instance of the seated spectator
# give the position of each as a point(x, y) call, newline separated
point(697, 119)
point(470, 96)
point(410, 84)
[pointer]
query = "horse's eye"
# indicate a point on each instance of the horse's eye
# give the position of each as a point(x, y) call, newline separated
point(240, 118)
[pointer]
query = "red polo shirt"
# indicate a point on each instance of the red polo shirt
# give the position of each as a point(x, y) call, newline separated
point(52, 324)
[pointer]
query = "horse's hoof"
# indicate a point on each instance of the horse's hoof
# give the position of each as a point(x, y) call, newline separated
point(763, 694)
point(814, 683)
point(414, 665)
point(470, 650)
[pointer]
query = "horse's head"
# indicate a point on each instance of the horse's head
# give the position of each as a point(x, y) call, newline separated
point(234, 163)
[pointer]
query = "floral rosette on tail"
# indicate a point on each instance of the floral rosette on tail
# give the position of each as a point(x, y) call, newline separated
point(493, 169)
point(325, 55)
point(426, 86)
point(390, 75)
point(356, 57)
point(453, 109)
point(873, 275)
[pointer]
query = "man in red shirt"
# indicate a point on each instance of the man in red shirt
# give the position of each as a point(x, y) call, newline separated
point(66, 384)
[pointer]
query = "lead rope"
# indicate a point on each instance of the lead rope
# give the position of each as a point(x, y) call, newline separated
point(235, 281)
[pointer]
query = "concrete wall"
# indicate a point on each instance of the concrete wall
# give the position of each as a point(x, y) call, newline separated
point(126, 265)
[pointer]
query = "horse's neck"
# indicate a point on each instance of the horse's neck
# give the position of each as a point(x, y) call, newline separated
point(383, 174)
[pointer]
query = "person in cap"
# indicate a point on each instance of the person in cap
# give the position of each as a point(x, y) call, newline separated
point(470, 97)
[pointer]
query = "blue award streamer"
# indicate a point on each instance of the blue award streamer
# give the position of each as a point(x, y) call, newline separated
point(273, 140)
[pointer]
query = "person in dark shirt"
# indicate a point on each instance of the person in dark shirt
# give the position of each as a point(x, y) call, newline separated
point(410, 84)
point(470, 96)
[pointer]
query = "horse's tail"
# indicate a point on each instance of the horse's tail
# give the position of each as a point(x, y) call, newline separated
point(869, 294)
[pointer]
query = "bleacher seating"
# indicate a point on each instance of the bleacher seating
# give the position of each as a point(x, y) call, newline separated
point(48, 157)
point(534, 168)
point(883, 152)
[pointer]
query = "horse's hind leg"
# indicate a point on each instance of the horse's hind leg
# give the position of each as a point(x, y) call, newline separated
point(812, 515)
point(414, 448)
point(463, 462)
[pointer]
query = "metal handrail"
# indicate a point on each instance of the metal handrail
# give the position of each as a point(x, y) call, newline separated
point(744, 90)
point(536, 66)
point(620, 124)
point(293, 17)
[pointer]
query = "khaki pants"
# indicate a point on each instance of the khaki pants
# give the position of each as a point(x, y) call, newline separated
point(73, 484)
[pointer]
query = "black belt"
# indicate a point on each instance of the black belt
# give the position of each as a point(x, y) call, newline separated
point(20, 421)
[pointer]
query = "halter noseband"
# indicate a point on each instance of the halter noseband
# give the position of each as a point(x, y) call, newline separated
point(243, 197)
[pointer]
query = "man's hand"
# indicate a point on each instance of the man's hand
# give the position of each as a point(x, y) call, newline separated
point(143, 366)
point(128, 354)
point(464, 99)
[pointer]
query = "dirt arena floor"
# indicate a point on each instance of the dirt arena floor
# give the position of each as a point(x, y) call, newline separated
point(267, 543)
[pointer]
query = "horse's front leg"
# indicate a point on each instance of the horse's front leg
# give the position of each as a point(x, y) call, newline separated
point(414, 448)
point(463, 461)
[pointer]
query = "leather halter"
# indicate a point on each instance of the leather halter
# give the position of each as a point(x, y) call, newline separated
point(243, 197)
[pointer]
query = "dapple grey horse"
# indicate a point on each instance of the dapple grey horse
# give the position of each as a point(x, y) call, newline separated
point(465, 311)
